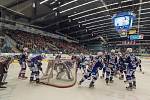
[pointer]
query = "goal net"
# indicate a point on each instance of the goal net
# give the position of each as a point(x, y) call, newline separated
point(61, 75)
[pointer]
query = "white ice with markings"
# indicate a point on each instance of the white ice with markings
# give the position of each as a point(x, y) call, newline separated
point(23, 90)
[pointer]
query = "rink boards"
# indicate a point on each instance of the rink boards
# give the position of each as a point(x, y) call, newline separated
point(52, 56)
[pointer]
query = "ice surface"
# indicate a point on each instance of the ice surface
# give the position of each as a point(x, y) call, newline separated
point(23, 90)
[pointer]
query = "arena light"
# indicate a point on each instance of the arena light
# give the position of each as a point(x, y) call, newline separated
point(146, 21)
point(43, 2)
point(100, 24)
point(93, 19)
point(145, 25)
point(98, 27)
point(53, 2)
point(91, 10)
point(96, 21)
point(97, 31)
point(89, 15)
point(68, 3)
point(145, 18)
point(145, 9)
point(77, 25)
point(126, 1)
point(146, 30)
point(79, 6)
point(92, 26)
point(111, 10)
point(145, 13)
point(101, 31)
point(142, 3)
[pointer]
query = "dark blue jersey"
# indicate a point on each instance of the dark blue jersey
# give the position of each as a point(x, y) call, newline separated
point(131, 60)
point(91, 58)
point(121, 61)
point(36, 59)
point(22, 58)
point(98, 65)
point(82, 58)
point(112, 59)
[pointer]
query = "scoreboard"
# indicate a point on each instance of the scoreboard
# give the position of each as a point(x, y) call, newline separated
point(123, 22)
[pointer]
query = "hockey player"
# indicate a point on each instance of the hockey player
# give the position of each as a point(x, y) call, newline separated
point(91, 58)
point(131, 61)
point(92, 71)
point(58, 57)
point(6, 66)
point(57, 60)
point(82, 63)
point(35, 67)
point(105, 59)
point(2, 70)
point(139, 64)
point(22, 61)
point(121, 66)
point(110, 67)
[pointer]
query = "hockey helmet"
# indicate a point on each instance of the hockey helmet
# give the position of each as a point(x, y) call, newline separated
point(99, 53)
point(119, 53)
point(112, 51)
point(129, 49)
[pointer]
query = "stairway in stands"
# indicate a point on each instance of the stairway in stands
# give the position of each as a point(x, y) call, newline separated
point(53, 47)
point(12, 43)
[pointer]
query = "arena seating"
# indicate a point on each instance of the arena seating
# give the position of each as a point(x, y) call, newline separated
point(39, 43)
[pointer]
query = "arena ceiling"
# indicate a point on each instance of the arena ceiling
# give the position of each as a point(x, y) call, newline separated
point(84, 20)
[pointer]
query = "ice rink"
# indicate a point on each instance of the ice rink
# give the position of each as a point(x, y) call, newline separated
point(23, 90)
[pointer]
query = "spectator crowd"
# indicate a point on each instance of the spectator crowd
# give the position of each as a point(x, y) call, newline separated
point(38, 43)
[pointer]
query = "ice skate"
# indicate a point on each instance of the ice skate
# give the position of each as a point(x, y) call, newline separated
point(129, 88)
point(24, 78)
point(125, 81)
point(79, 83)
point(121, 77)
point(91, 85)
point(3, 83)
point(3, 87)
point(111, 80)
point(115, 75)
point(32, 80)
point(89, 78)
point(134, 87)
point(140, 70)
point(37, 81)
point(19, 77)
point(102, 77)
point(107, 81)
